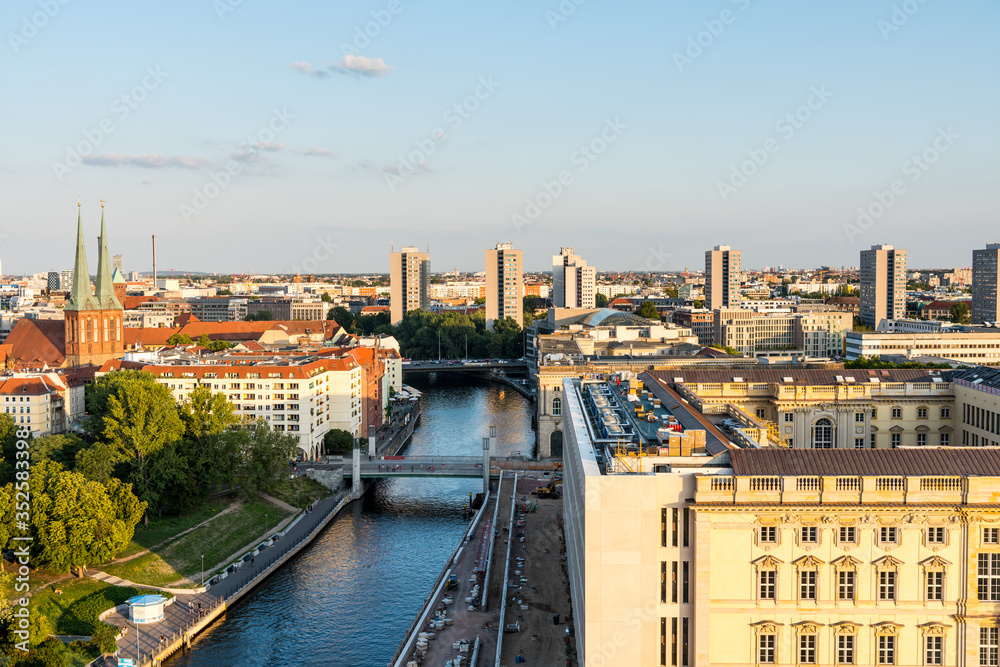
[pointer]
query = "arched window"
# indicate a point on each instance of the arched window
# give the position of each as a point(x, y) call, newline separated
point(556, 444)
point(556, 406)
point(823, 434)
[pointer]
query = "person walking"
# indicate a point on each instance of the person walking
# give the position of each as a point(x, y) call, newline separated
point(251, 562)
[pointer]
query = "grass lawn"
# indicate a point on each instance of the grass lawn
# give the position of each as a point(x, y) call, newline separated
point(163, 529)
point(217, 539)
point(300, 491)
point(46, 602)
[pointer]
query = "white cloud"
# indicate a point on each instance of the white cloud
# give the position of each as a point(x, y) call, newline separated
point(319, 152)
point(349, 64)
point(146, 161)
point(269, 146)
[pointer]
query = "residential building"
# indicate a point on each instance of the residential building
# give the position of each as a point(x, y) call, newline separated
point(504, 284)
point(963, 345)
point(288, 308)
point(117, 262)
point(701, 321)
point(573, 282)
point(939, 310)
point(722, 277)
point(44, 403)
point(66, 280)
point(409, 280)
point(817, 333)
point(52, 281)
point(986, 284)
point(850, 304)
point(883, 284)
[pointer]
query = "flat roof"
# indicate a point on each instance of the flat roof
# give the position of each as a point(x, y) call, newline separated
point(916, 461)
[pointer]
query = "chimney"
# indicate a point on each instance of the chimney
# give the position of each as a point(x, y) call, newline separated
point(154, 261)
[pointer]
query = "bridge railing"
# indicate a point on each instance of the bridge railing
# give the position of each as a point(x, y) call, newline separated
point(462, 460)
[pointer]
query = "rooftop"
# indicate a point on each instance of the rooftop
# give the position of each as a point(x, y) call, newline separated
point(917, 461)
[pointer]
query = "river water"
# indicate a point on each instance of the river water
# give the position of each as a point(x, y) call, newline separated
point(348, 598)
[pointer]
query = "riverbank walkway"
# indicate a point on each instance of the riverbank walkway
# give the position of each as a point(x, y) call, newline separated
point(179, 624)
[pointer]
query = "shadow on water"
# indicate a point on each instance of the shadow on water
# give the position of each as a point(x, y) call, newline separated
point(347, 599)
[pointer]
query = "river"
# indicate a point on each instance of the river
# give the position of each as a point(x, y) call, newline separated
point(347, 599)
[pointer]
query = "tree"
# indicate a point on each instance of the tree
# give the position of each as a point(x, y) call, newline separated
point(480, 301)
point(259, 316)
point(259, 456)
point(698, 303)
point(180, 339)
point(206, 413)
point(76, 522)
point(648, 310)
point(219, 345)
point(204, 340)
point(326, 297)
point(960, 313)
point(339, 441)
point(96, 463)
point(600, 300)
point(139, 418)
point(225, 291)
point(61, 448)
point(343, 317)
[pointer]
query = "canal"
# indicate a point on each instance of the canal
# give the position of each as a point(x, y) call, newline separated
point(347, 599)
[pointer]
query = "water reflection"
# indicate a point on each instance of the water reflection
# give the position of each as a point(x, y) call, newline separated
point(347, 599)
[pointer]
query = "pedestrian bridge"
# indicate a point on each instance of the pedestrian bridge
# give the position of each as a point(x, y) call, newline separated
point(432, 466)
point(425, 366)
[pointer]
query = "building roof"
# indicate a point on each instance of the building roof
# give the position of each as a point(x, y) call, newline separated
point(37, 342)
point(610, 317)
point(942, 305)
point(980, 375)
point(36, 385)
point(916, 461)
point(806, 376)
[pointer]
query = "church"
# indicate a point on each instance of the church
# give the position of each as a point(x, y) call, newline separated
point(92, 329)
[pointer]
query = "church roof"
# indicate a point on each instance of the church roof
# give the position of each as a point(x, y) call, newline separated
point(80, 297)
point(116, 276)
point(105, 292)
point(34, 343)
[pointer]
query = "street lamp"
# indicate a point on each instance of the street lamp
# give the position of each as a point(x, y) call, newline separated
point(265, 526)
point(466, 348)
point(137, 661)
point(203, 570)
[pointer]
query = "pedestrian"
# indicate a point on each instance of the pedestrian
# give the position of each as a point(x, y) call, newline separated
point(162, 639)
point(251, 562)
point(411, 468)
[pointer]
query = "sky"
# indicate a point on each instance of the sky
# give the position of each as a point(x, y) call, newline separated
point(310, 137)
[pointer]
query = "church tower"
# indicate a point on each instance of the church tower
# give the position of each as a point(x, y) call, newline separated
point(93, 321)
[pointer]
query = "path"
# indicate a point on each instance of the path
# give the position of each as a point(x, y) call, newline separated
point(178, 620)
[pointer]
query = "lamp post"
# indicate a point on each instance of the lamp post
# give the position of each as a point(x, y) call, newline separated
point(203, 570)
point(466, 348)
point(265, 526)
point(137, 661)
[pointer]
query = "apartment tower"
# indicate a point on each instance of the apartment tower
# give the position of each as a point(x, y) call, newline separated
point(409, 280)
point(573, 282)
point(986, 284)
point(504, 284)
point(883, 284)
point(722, 277)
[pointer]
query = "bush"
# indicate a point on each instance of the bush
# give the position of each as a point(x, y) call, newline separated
point(103, 639)
point(81, 617)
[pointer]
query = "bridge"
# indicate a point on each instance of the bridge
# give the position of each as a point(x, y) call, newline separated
point(516, 367)
point(429, 466)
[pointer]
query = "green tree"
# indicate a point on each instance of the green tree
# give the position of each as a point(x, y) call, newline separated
point(225, 291)
point(698, 303)
point(206, 413)
point(219, 345)
point(343, 317)
point(960, 313)
point(76, 522)
point(648, 310)
point(480, 301)
point(601, 301)
point(339, 441)
point(259, 316)
point(61, 448)
point(259, 456)
point(96, 463)
point(180, 339)
point(204, 340)
point(326, 297)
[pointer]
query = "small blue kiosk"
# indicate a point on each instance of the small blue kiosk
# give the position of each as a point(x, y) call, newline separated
point(146, 608)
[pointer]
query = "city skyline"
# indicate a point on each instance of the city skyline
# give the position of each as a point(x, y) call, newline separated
point(305, 112)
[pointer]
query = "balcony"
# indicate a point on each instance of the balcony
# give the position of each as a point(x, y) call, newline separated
point(840, 489)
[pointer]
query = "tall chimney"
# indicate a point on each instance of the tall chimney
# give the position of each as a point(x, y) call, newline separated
point(154, 261)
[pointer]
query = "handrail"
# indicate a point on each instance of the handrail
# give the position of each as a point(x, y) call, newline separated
point(506, 572)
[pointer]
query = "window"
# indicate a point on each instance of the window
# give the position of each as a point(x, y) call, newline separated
point(921, 413)
point(945, 413)
point(888, 535)
point(767, 581)
point(807, 649)
point(808, 535)
point(935, 585)
point(556, 406)
point(989, 577)
point(859, 417)
point(769, 534)
point(807, 584)
point(789, 417)
point(989, 646)
point(872, 441)
point(991, 535)
point(887, 585)
point(859, 443)
point(934, 650)
point(845, 585)
point(935, 535)
point(848, 534)
point(823, 434)
point(921, 439)
point(765, 649)
point(886, 650)
point(845, 650)
point(896, 440)
point(945, 439)
point(760, 413)
point(897, 413)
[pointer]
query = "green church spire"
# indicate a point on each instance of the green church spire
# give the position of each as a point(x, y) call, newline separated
point(105, 287)
point(80, 297)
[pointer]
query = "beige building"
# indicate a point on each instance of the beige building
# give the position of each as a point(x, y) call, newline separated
point(818, 333)
point(986, 284)
point(574, 284)
point(44, 403)
point(722, 277)
point(409, 280)
point(883, 284)
point(746, 557)
point(979, 346)
point(504, 284)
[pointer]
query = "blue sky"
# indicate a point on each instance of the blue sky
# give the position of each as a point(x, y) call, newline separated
point(336, 153)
